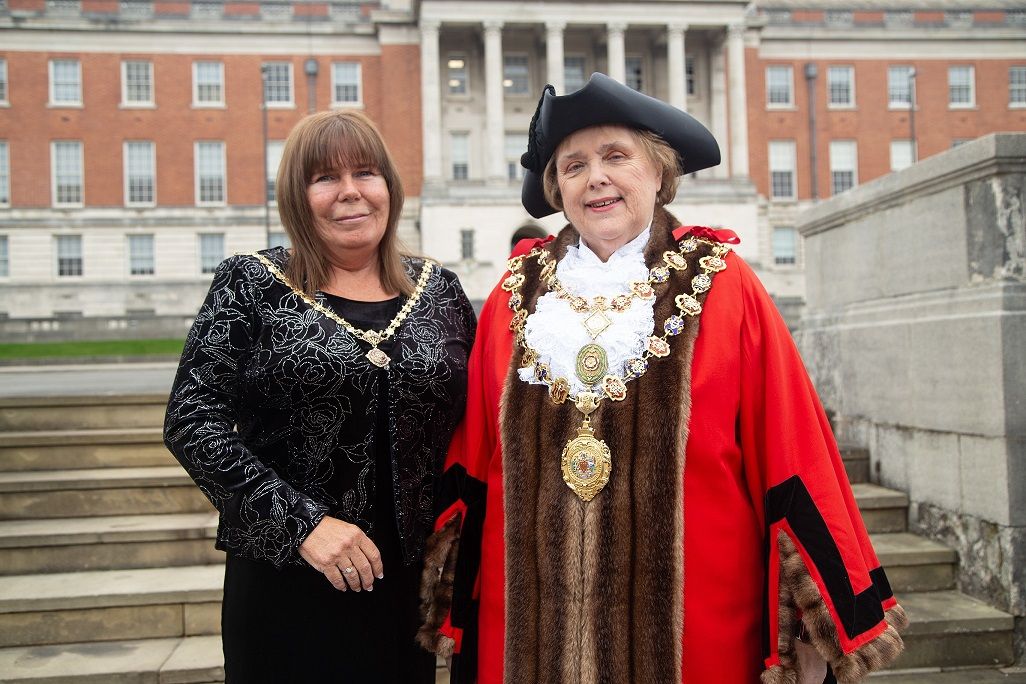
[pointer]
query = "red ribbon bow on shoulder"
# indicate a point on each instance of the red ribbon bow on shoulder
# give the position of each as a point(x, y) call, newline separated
point(723, 235)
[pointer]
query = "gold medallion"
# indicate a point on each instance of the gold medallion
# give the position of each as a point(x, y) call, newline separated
point(378, 357)
point(587, 463)
point(592, 364)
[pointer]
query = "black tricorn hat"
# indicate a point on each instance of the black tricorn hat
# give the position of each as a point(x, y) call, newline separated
point(604, 100)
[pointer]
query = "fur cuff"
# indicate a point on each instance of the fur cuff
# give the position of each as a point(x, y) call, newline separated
point(798, 591)
point(436, 586)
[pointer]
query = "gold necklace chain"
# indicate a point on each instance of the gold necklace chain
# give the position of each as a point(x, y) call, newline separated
point(586, 461)
point(371, 337)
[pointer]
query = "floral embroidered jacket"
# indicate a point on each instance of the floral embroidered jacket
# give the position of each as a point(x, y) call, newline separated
point(274, 407)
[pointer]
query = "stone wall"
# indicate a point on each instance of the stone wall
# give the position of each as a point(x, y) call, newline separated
point(915, 335)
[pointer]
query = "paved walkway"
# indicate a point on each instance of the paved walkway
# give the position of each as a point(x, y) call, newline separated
point(95, 379)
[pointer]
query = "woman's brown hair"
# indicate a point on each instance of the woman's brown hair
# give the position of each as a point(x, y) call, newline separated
point(323, 141)
point(659, 152)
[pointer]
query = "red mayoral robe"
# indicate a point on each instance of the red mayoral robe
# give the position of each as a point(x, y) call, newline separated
point(727, 528)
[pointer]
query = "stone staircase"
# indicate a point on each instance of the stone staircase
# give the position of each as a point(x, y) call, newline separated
point(108, 572)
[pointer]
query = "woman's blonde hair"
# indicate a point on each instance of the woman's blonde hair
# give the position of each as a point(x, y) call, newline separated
point(324, 141)
point(659, 152)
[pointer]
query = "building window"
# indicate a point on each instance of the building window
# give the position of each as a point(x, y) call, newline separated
point(135, 9)
point(65, 82)
point(467, 244)
point(515, 75)
point(207, 84)
point(69, 255)
point(279, 239)
point(3, 82)
point(841, 86)
point(634, 70)
point(64, 8)
point(277, 84)
point(779, 86)
point(136, 83)
point(459, 148)
point(457, 66)
point(574, 75)
point(5, 258)
point(902, 154)
point(782, 169)
point(274, 149)
point(843, 169)
point(345, 84)
point(516, 145)
point(785, 246)
point(140, 173)
point(211, 249)
point(345, 11)
point(210, 175)
point(899, 87)
point(140, 255)
point(1017, 86)
point(204, 9)
point(5, 174)
point(961, 87)
point(689, 74)
point(66, 158)
point(276, 11)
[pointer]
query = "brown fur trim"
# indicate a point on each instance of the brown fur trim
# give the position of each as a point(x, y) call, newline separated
point(798, 590)
point(594, 591)
point(436, 586)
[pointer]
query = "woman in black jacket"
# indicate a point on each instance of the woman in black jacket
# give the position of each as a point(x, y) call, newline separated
point(316, 395)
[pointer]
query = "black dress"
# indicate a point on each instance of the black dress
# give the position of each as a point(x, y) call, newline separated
point(285, 624)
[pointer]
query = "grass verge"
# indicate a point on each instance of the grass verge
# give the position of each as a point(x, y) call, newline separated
point(34, 351)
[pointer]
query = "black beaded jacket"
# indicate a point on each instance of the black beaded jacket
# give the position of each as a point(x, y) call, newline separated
point(274, 407)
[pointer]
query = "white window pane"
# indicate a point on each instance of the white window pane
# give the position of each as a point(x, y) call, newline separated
point(138, 86)
point(457, 70)
point(66, 83)
point(140, 254)
point(209, 82)
point(5, 173)
point(634, 70)
point(842, 165)
point(67, 172)
point(516, 145)
point(139, 171)
point(689, 74)
point(210, 179)
point(840, 85)
point(274, 150)
point(5, 258)
point(279, 240)
point(3, 80)
point(899, 86)
point(960, 85)
point(1017, 85)
point(515, 76)
point(782, 169)
point(778, 85)
point(901, 154)
point(785, 246)
point(277, 83)
point(467, 243)
point(345, 78)
point(459, 149)
point(69, 255)
point(211, 251)
point(574, 76)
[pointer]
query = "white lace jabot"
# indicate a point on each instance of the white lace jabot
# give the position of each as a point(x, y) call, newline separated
point(557, 332)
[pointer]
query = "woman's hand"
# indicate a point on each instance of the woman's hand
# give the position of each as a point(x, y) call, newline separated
point(346, 556)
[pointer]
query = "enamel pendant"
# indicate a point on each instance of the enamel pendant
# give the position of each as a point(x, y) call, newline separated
point(587, 463)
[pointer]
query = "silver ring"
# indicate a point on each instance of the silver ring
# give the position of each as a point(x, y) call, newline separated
point(349, 569)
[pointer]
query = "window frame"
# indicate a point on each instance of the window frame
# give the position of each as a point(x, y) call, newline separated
point(54, 186)
point(854, 170)
point(850, 70)
point(5, 84)
point(507, 90)
point(453, 175)
point(264, 80)
point(207, 267)
point(513, 162)
point(789, 69)
point(792, 146)
point(129, 202)
point(467, 236)
point(911, 153)
point(909, 82)
point(584, 71)
point(52, 68)
point(130, 240)
point(58, 240)
point(127, 103)
point(971, 104)
point(358, 102)
point(639, 59)
point(450, 70)
point(1020, 103)
point(207, 104)
point(197, 178)
point(271, 180)
point(782, 261)
point(5, 256)
point(5, 173)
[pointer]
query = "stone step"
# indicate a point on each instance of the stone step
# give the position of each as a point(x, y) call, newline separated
point(96, 448)
point(914, 563)
point(107, 543)
point(883, 509)
point(108, 605)
point(21, 414)
point(98, 492)
point(189, 660)
point(960, 675)
point(950, 629)
point(856, 462)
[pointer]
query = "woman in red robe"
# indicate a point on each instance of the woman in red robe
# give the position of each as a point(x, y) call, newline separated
point(645, 487)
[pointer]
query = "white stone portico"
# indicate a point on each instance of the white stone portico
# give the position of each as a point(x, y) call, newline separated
point(483, 67)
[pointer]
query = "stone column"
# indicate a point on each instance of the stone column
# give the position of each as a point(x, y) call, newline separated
point(431, 97)
point(718, 102)
point(494, 108)
point(675, 63)
point(736, 94)
point(554, 55)
point(615, 51)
